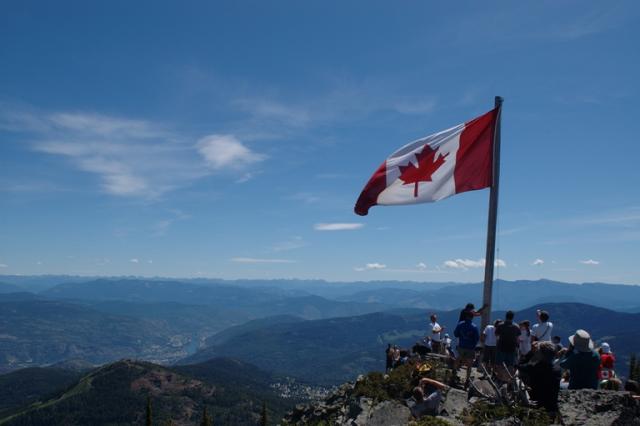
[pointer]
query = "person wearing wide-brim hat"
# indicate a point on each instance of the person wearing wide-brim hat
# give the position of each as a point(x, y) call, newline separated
point(581, 361)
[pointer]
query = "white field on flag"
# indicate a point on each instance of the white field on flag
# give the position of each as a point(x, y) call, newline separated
point(410, 180)
point(429, 169)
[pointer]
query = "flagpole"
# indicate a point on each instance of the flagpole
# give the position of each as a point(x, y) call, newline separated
point(493, 216)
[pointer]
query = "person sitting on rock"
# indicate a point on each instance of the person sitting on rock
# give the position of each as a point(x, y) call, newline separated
point(581, 361)
point(468, 336)
point(607, 363)
point(542, 376)
point(427, 396)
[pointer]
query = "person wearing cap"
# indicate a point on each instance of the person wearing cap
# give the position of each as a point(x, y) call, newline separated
point(582, 362)
point(607, 362)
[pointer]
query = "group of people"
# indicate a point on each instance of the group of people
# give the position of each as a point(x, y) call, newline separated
point(509, 349)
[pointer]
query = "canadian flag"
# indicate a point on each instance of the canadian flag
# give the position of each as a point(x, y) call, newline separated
point(449, 162)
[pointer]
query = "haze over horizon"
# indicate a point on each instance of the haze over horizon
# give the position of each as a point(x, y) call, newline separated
point(201, 140)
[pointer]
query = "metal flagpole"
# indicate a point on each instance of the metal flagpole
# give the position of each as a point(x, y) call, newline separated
point(493, 216)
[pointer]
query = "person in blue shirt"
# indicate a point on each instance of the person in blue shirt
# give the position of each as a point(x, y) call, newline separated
point(468, 336)
point(581, 361)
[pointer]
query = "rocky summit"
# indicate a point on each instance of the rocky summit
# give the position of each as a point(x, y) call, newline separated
point(384, 400)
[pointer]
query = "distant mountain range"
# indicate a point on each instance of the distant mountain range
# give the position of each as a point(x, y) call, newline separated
point(383, 294)
point(232, 391)
point(160, 320)
point(336, 350)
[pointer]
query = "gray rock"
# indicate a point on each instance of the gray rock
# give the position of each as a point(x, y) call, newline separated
point(598, 408)
point(388, 413)
point(454, 402)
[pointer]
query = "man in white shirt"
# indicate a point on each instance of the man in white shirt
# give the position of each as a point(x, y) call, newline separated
point(541, 331)
point(436, 339)
point(490, 341)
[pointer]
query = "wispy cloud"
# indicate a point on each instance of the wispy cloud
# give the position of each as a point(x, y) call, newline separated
point(304, 197)
point(590, 262)
point(537, 262)
point(371, 266)
point(337, 226)
point(134, 158)
point(161, 226)
point(292, 243)
point(226, 151)
point(3, 265)
point(134, 260)
point(260, 260)
point(628, 218)
point(465, 264)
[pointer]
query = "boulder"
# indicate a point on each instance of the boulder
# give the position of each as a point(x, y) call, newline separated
point(388, 413)
point(598, 408)
point(455, 401)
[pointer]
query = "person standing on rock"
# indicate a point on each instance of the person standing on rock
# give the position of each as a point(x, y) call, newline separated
point(468, 336)
point(508, 334)
point(436, 339)
point(581, 361)
point(541, 331)
point(389, 358)
point(472, 309)
point(524, 341)
point(607, 363)
point(488, 338)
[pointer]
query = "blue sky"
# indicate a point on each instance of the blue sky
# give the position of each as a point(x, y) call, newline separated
point(231, 139)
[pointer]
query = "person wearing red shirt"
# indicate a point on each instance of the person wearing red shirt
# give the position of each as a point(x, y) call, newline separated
point(607, 362)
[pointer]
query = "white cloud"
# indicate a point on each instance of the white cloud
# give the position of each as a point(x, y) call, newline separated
point(267, 109)
point(375, 266)
point(590, 262)
point(292, 243)
point(226, 151)
point(421, 265)
point(134, 260)
point(337, 226)
point(465, 264)
point(3, 265)
point(260, 260)
point(537, 262)
point(133, 158)
point(149, 261)
point(371, 266)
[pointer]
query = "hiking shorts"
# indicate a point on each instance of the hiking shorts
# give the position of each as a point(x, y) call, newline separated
point(466, 355)
point(509, 358)
point(489, 355)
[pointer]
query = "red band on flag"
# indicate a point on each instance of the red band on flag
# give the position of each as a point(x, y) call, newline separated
point(369, 195)
point(474, 160)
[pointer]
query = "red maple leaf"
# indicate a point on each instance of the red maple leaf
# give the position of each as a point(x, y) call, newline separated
point(425, 168)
